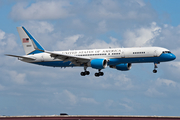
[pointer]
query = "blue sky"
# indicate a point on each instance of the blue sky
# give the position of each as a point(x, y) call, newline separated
point(27, 89)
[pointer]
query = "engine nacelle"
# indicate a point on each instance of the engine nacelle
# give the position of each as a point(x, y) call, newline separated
point(122, 66)
point(98, 63)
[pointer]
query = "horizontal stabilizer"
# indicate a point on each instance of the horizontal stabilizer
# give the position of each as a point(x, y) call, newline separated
point(30, 58)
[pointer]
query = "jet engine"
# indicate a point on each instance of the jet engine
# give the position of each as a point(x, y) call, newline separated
point(122, 66)
point(98, 63)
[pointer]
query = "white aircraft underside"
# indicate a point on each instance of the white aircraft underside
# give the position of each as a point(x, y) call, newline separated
point(118, 58)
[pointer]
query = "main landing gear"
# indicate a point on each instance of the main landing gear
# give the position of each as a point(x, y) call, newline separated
point(99, 73)
point(155, 66)
point(85, 71)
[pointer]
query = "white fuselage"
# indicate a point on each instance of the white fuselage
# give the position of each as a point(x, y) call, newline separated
point(113, 53)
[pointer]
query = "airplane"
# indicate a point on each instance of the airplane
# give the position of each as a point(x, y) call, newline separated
point(117, 58)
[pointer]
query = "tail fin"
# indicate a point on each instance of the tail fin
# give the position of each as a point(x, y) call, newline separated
point(29, 42)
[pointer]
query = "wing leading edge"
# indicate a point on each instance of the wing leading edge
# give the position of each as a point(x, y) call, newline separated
point(77, 60)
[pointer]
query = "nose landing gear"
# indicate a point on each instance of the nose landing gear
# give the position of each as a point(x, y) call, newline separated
point(154, 71)
point(155, 66)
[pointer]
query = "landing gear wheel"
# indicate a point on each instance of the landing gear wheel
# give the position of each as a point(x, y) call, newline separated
point(83, 73)
point(154, 71)
point(155, 66)
point(87, 72)
point(101, 73)
point(96, 74)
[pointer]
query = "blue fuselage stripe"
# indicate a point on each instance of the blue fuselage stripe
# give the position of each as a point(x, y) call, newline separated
point(114, 61)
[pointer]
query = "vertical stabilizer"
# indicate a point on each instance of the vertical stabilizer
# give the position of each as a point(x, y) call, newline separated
point(28, 41)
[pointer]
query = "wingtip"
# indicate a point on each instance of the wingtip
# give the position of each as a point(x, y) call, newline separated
point(6, 54)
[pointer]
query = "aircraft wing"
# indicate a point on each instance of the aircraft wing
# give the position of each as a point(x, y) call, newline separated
point(24, 57)
point(77, 60)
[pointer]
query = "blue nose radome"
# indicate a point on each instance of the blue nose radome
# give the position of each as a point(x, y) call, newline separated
point(167, 57)
point(171, 56)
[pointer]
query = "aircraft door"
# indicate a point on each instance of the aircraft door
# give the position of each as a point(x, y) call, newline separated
point(155, 53)
point(122, 54)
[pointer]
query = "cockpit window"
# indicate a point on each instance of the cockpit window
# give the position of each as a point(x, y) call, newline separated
point(166, 52)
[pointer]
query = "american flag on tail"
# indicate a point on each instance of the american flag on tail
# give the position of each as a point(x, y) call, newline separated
point(25, 40)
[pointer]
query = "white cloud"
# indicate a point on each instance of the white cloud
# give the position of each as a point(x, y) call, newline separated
point(127, 107)
point(78, 24)
point(122, 10)
point(114, 40)
point(166, 82)
point(124, 104)
point(152, 92)
point(40, 10)
point(140, 2)
point(68, 42)
point(120, 82)
point(175, 64)
point(169, 37)
point(165, 25)
point(71, 97)
point(176, 53)
point(2, 41)
point(101, 44)
point(2, 34)
point(66, 97)
point(102, 26)
point(143, 36)
point(158, 87)
point(8, 43)
point(105, 9)
point(1, 87)
point(123, 82)
point(109, 103)
point(171, 74)
point(11, 43)
point(88, 100)
point(157, 107)
point(18, 78)
point(39, 27)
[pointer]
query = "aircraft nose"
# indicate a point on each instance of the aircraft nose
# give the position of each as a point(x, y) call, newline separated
point(171, 56)
point(167, 57)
